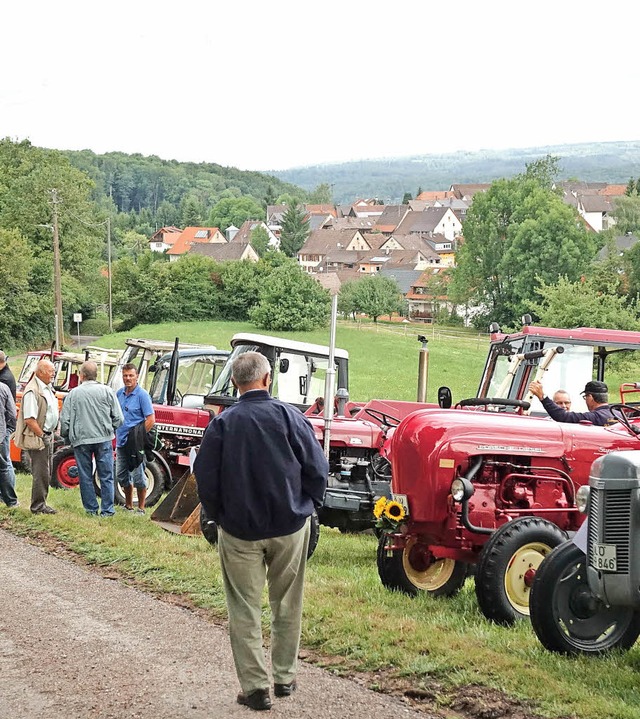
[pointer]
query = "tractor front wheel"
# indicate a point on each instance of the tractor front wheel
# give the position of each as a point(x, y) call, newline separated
point(508, 565)
point(565, 615)
point(414, 569)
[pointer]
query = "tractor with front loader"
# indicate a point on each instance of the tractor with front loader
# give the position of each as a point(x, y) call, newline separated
point(489, 485)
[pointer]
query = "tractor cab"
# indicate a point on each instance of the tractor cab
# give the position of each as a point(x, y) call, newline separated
point(197, 370)
point(562, 359)
point(298, 370)
point(144, 354)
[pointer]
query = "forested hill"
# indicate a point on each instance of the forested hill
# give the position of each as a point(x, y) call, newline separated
point(389, 179)
point(162, 189)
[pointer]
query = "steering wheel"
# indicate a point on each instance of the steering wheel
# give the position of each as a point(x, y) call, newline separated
point(382, 417)
point(498, 401)
point(624, 413)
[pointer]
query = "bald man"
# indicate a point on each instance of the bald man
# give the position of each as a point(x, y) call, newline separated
point(37, 421)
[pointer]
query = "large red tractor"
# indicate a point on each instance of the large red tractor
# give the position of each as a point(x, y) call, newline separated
point(486, 486)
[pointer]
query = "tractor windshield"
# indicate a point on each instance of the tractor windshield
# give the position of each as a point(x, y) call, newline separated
point(223, 386)
point(196, 375)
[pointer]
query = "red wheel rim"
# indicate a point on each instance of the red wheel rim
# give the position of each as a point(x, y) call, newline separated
point(67, 473)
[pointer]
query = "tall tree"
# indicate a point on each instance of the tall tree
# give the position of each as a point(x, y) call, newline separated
point(377, 296)
point(631, 188)
point(259, 240)
point(406, 198)
point(291, 300)
point(518, 234)
point(626, 213)
point(321, 195)
point(234, 211)
point(295, 229)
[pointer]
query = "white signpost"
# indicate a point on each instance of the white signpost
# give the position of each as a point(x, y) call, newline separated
point(77, 318)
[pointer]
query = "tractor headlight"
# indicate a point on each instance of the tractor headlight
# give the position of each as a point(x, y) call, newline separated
point(461, 489)
point(582, 498)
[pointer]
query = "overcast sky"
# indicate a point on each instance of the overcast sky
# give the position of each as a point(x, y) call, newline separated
point(276, 84)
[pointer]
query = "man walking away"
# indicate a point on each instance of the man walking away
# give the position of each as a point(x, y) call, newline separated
point(137, 410)
point(37, 421)
point(7, 425)
point(90, 415)
point(260, 473)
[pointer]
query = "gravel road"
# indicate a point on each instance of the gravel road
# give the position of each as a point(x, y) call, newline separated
point(74, 644)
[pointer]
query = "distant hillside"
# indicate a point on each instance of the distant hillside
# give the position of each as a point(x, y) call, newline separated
point(390, 178)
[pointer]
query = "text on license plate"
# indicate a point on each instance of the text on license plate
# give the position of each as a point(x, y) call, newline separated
point(604, 557)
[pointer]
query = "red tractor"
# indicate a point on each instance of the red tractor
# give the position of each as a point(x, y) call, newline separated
point(486, 486)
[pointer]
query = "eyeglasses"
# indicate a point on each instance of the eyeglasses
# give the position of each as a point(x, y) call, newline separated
point(584, 395)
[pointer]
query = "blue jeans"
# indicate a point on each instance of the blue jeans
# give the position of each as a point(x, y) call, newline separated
point(7, 475)
point(125, 477)
point(103, 454)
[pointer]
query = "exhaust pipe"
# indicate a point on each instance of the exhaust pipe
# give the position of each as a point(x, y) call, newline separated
point(423, 369)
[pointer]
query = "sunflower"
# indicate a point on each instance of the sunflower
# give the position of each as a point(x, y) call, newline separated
point(378, 507)
point(394, 511)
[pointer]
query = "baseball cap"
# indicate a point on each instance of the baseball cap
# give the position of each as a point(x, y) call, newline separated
point(595, 387)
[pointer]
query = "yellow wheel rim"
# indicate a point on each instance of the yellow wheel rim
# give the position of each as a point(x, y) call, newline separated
point(422, 570)
point(520, 572)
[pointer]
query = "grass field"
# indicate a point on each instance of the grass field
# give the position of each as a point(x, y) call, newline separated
point(351, 623)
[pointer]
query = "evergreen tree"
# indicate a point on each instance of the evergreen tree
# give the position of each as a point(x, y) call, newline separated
point(295, 229)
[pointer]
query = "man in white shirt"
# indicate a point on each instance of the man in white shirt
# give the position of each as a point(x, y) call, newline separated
point(37, 421)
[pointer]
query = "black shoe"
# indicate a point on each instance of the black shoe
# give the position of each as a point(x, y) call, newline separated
point(258, 699)
point(45, 510)
point(285, 690)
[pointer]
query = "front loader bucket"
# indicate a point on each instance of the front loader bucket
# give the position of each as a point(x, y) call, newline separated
point(179, 511)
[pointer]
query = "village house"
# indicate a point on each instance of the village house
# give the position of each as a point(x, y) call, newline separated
point(243, 233)
point(226, 251)
point(432, 220)
point(164, 238)
point(194, 235)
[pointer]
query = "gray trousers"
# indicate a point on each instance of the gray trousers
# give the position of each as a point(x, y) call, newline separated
point(280, 561)
point(41, 471)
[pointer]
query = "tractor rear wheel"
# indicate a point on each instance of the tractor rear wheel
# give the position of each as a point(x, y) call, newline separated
point(508, 565)
point(567, 617)
point(64, 470)
point(156, 478)
point(414, 569)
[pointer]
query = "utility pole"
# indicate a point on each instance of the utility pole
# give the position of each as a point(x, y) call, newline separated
point(57, 274)
point(109, 272)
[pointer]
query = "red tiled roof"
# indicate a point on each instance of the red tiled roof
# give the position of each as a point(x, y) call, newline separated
point(188, 237)
point(435, 195)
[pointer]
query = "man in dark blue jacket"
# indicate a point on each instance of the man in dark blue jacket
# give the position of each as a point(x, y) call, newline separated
point(595, 396)
point(260, 473)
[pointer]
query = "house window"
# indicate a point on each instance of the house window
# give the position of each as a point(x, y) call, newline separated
point(202, 234)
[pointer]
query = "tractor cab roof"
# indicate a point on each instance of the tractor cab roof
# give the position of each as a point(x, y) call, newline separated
point(246, 338)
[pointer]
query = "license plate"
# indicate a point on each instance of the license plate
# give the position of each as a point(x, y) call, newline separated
point(604, 557)
point(401, 499)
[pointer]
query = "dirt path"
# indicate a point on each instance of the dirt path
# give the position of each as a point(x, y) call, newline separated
point(74, 644)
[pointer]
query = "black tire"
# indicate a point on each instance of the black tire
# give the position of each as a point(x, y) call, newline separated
point(209, 527)
point(64, 470)
point(156, 479)
point(567, 618)
point(508, 564)
point(409, 570)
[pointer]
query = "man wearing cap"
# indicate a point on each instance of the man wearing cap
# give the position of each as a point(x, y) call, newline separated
point(596, 397)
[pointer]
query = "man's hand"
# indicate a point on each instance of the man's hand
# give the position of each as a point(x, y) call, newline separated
point(536, 390)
